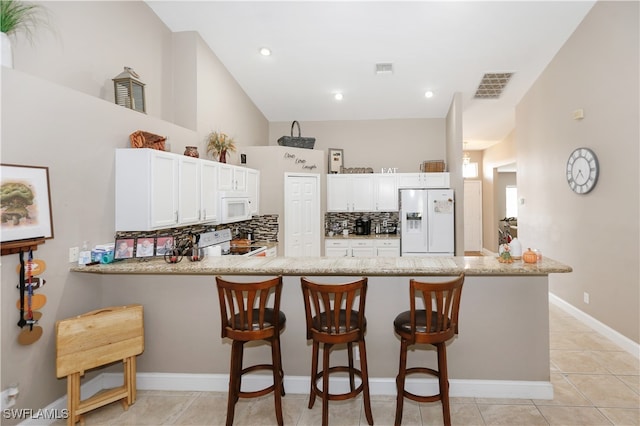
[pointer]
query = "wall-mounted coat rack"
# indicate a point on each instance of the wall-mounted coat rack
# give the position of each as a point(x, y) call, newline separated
point(13, 247)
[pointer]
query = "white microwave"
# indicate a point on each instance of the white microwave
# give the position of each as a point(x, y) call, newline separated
point(234, 207)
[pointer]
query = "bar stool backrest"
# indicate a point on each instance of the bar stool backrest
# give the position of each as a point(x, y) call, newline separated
point(335, 312)
point(443, 301)
point(247, 312)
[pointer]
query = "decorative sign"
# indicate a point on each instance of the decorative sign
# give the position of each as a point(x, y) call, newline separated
point(336, 160)
point(301, 161)
point(389, 170)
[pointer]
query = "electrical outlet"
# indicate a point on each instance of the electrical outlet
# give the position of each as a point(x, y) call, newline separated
point(357, 351)
point(586, 297)
point(74, 252)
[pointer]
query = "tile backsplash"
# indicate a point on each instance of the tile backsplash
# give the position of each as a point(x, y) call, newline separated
point(264, 228)
point(333, 217)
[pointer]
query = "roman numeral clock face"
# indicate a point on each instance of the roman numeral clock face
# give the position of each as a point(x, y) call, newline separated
point(582, 170)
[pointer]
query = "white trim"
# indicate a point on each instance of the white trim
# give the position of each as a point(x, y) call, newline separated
point(300, 385)
point(623, 341)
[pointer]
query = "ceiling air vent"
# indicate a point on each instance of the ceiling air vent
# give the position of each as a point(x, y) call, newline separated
point(386, 68)
point(492, 85)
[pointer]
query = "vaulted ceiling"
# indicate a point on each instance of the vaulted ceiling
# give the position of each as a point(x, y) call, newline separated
point(322, 48)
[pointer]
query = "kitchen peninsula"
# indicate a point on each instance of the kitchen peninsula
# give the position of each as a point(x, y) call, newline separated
point(502, 349)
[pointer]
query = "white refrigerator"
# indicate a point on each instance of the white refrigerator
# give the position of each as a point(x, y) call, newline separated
point(426, 222)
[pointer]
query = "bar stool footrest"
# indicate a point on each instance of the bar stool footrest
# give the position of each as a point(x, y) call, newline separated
point(339, 396)
point(422, 398)
point(259, 392)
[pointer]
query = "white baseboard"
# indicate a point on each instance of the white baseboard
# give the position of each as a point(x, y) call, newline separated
point(624, 342)
point(300, 385)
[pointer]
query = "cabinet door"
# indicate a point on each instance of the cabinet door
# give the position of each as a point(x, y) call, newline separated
point(253, 188)
point(240, 179)
point(362, 248)
point(225, 177)
point(388, 252)
point(386, 193)
point(338, 193)
point(189, 193)
point(362, 193)
point(208, 191)
point(337, 252)
point(410, 180)
point(163, 189)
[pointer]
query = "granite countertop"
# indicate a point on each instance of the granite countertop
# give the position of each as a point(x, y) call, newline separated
point(344, 266)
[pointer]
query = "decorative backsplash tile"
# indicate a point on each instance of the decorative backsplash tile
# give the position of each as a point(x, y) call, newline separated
point(264, 228)
point(331, 218)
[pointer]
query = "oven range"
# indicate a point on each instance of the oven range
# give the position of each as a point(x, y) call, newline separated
point(221, 242)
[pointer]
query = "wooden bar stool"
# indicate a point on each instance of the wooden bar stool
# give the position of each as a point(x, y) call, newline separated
point(333, 317)
point(97, 339)
point(251, 312)
point(434, 325)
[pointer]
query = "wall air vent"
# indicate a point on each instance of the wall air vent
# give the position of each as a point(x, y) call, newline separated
point(386, 68)
point(492, 85)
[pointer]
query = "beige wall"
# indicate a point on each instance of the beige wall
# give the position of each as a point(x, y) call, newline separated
point(375, 143)
point(57, 112)
point(597, 234)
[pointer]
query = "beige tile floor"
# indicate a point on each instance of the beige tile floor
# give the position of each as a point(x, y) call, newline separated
point(595, 383)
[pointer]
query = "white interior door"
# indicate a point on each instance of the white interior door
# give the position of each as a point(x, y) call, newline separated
point(472, 215)
point(302, 214)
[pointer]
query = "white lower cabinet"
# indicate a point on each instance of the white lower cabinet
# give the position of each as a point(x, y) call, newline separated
point(362, 247)
point(337, 248)
point(387, 248)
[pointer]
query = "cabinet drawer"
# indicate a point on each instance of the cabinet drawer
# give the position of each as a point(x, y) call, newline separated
point(388, 243)
point(336, 243)
point(362, 243)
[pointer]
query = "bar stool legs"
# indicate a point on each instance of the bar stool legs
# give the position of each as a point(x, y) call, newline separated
point(333, 317)
point(434, 325)
point(246, 315)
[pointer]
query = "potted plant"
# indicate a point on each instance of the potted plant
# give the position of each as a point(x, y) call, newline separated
point(17, 16)
point(218, 144)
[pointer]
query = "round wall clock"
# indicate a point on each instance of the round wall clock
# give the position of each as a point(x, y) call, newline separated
point(582, 170)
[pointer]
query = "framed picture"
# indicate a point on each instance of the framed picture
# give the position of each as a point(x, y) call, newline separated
point(25, 202)
point(336, 160)
point(164, 244)
point(145, 246)
point(124, 248)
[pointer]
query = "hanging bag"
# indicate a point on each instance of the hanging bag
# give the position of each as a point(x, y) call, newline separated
point(297, 141)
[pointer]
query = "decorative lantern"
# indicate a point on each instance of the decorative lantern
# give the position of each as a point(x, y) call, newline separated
point(129, 90)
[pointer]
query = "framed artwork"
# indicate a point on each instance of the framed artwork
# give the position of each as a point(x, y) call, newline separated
point(164, 244)
point(336, 160)
point(145, 246)
point(25, 202)
point(124, 248)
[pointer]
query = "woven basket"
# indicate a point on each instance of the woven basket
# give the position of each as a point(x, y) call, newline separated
point(297, 141)
point(435, 166)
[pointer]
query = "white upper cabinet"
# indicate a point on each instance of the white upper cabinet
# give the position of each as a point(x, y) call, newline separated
point(158, 190)
point(253, 188)
point(146, 189)
point(232, 178)
point(366, 192)
point(209, 191)
point(386, 192)
point(423, 180)
point(349, 193)
point(189, 193)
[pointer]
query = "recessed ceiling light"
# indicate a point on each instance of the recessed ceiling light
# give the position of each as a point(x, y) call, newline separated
point(428, 94)
point(338, 96)
point(265, 51)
